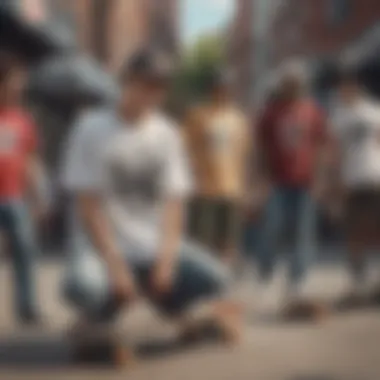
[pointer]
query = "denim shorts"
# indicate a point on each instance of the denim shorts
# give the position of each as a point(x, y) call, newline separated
point(198, 276)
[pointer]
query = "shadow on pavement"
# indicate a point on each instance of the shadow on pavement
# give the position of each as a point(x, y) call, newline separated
point(37, 352)
point(314, 377)
point(47, 352)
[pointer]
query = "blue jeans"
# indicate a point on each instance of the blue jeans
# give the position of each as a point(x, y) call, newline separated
point(16, 223)
point(198, 276)
point(294, 208)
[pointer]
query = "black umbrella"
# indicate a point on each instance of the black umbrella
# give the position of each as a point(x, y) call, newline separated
point(72, 80)
point(34, 42)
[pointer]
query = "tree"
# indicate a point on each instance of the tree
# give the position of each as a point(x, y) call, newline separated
point(198, 63)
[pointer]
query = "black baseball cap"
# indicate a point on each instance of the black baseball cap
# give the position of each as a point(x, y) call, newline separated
point(148, 64)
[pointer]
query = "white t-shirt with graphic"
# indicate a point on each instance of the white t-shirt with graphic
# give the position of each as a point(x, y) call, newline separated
point(357, 128)
point(134, 167)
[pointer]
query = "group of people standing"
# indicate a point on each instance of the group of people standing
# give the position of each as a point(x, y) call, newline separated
point(280, 170)
point(157, 210)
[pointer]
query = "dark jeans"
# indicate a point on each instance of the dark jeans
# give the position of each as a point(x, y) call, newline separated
point(16, 223)
point(198, 276)
point(294, 208)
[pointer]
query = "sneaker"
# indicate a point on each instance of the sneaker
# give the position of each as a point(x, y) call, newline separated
point(353, 301)
point(97, 344)
point(375, 296)
point(103, 351)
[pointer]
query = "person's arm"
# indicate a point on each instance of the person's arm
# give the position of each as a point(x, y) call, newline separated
point(90, 210)
point(248, 159)
point(171, 233)
point(262, 135)
point(193, 140)
point(261, 178)
point(326, 174)
point(82, 178)
point(330, 189)
point(35, 176)
point(176, 185)
point(37, 187)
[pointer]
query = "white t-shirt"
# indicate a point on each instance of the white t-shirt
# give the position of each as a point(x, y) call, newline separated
point(134, 167)
point(357, 128)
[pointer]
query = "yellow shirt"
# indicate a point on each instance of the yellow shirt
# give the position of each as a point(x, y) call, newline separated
point(218, 142)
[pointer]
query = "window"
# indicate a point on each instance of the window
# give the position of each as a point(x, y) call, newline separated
point(338, 11)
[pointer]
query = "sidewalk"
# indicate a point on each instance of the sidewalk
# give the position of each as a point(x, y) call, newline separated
point(345, 347)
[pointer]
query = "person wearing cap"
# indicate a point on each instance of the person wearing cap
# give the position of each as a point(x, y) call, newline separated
point(127, 171)
point(20, 181)
point(292, 136)
point(355, 121)
point(218, 138)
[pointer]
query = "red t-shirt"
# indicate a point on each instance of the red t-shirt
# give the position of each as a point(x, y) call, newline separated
point(17, 141)
point(291, 134)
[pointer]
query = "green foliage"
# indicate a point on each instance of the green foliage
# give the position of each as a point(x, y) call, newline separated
point(198, 63)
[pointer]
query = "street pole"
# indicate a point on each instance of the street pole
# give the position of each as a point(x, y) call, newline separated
point(260, 39)
point(264, 11)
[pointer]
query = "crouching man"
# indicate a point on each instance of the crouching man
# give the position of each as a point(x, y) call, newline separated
point(127, 172)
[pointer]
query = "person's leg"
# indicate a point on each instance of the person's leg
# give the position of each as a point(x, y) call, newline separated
point(375, 288)
point(194, 225)
point(228, 230)
point(94, 335)
point(356, 248)
point(207, 221)
point(199, 293)
point(358, 210)
point(362, 223)
point(86, 287)
point(250, 233)
point(24, 251)
point(357, 261)
point(270, 229)
point(302, 253)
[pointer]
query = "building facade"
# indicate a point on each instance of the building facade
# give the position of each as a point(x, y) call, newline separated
point(250, 47)
point(321, 28)
point(265, 33)
point(110, 30)
point(240, 51)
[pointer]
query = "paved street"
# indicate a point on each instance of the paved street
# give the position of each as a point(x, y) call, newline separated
point(345, 347)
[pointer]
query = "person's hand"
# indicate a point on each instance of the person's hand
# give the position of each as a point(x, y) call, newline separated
point(162, 279)
point(122, 285)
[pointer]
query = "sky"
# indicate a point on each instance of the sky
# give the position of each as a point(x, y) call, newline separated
point(199, 16)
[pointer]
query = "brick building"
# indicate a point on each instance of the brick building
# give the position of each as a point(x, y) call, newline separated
point(111, 29)
point(250, 47)
point(321, 28)
point(240, 50)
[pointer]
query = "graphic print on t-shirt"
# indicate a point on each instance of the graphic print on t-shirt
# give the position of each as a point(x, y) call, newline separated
point(218, 137)
point(8, 140)
point(292, 133)
point(139, 182)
